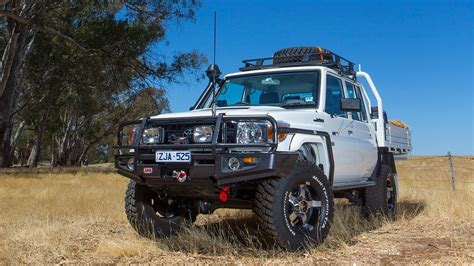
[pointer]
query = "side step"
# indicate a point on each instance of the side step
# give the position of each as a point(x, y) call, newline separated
point(352, 185)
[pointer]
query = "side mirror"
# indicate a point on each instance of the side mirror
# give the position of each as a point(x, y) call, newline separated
point(350, 105)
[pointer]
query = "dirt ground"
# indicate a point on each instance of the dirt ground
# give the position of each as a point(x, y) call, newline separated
point(77, 217)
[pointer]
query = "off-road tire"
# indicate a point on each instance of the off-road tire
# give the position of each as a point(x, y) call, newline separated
point(376, 197)
point(271, 207)
point(142, 216)
point(296, 54)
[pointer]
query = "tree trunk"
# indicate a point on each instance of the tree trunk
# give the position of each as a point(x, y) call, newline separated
point(15, 139)
point(9, 56)
point(36, 149)
point(53, 154)
point(82, 157)
point(17, 134)
point(63, 140)
point(33, 158)
point(12, 62)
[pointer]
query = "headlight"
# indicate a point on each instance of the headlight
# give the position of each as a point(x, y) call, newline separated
point(203, 134)
point(253, 132)
point(153, 135)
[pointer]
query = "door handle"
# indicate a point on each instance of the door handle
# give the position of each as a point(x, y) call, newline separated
point(350, 132)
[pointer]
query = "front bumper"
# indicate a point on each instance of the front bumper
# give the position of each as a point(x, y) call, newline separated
point(208, 169)
point(209, 162)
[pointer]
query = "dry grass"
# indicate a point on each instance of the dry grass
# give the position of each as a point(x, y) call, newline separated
point(78, 218)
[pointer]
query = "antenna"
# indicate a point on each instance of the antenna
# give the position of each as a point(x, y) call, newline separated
point(214, 69)
point(215, 34)
point(213, 73)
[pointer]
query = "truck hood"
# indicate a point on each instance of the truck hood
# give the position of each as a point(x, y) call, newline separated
point(278, 113)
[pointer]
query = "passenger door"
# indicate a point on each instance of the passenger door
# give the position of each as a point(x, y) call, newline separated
point(346, 146)
point(363, 132)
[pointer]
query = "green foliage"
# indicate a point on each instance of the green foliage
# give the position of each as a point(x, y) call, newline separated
point(78, 92)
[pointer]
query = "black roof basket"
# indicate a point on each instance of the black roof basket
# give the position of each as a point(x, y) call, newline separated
point(326, 59)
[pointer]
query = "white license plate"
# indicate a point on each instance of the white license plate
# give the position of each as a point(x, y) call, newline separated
point(173, 156)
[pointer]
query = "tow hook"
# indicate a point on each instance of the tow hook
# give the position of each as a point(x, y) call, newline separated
point(181, 176)
point(162, 194)
point(224, 194)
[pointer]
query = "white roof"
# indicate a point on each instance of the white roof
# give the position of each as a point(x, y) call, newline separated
point(278, 69)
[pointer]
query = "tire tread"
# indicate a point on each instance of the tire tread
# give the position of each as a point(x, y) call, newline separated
point(269, 191)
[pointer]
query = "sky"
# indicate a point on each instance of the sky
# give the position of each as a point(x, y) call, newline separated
point(419, 54)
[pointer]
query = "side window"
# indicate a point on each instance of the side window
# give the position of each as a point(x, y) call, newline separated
point(354, 92)
point(334, 93)
point(351, 93)
point(363, 113)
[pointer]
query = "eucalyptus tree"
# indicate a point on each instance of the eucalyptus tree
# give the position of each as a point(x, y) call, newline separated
point(71, 70)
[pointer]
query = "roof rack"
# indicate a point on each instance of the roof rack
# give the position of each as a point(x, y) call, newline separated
point(327, 59)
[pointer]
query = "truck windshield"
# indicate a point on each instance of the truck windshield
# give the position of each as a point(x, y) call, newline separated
point(287, 90)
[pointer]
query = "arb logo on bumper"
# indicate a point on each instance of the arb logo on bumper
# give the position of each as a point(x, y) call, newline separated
point(148, 170)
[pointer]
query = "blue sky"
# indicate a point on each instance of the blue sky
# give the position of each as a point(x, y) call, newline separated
point(419, 54)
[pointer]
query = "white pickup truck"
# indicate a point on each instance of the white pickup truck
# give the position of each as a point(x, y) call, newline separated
point(283, 136)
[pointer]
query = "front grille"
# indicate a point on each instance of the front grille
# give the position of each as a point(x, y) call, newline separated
point(178, 133)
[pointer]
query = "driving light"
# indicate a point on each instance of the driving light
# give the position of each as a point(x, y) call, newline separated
point(203, 133)
point(131, 164)
point(153, 135)
point(234, 164)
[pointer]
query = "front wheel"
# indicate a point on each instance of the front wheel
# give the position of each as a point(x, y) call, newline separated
point(151, 216)
point(296, 210)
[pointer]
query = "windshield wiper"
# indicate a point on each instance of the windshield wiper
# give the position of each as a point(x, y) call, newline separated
point(297, 104)
point(240, 104)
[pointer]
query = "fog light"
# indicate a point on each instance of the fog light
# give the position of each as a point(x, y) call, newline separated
point(234, 164)
point(131, 164)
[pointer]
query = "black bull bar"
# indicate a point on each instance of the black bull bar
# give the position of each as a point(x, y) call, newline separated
point(208, 164)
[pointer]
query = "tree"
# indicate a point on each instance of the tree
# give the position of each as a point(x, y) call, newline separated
point(93, 54)
point(19, 42)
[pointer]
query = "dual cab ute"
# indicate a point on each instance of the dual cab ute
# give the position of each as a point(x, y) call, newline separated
point(283, 136)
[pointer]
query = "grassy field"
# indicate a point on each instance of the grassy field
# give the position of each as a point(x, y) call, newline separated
point(64, 217)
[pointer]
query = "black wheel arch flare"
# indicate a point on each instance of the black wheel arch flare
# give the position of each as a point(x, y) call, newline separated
point(328, 141)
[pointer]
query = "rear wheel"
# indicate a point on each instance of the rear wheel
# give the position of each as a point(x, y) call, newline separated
point(151, 216)
point(296, 210)
point(381, 199)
